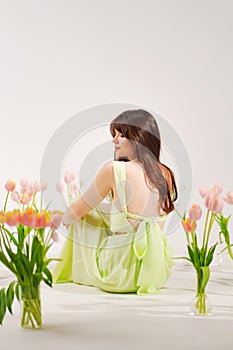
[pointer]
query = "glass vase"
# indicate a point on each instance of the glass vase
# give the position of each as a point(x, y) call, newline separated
point(201, 305)
point(30, 306)
point(225, 263)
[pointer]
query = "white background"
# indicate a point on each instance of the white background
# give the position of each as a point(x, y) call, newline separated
point(174, 57)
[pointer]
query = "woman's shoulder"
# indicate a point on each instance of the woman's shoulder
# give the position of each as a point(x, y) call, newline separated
point(110, 167)
point(106, 170)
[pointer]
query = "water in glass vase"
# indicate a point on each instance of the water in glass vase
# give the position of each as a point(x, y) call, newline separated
point(30, 306)
point(201, 305)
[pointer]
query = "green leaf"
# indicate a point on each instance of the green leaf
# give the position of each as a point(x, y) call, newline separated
point(2, 304)
point(47, 248)
point(202, 256)
point(39, 260)
point(21, 236)
point(191, 254)
point(197, 263)
point(210, 254)
point(10, 296)
point(25, 263)
point(27, 250)
point(47, 261)
point(49, 276)
point(37, 277)
point(11, 235)
point(35, 251)
point(12, 255)
point(17, 291)
point(194, 243)
point(205, 271)
point(223, 224)
point(7, 263)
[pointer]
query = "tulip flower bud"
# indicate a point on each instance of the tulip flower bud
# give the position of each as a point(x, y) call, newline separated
point(195, 212)
point(69, 177)
point(202, 191)
point(217, 188)
point(229, 197)
point(15, 196)
point(214, 202)
point(10, 185)
point(24, 184)
point(189, 225)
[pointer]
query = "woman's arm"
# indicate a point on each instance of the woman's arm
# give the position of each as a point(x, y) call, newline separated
point(98, 190)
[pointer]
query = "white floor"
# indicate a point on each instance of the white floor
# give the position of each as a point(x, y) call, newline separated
point(81, 317)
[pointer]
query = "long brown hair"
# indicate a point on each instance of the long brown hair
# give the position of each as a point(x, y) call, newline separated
point(140, 127)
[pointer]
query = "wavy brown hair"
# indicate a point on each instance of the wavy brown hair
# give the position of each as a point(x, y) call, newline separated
point(140, 127)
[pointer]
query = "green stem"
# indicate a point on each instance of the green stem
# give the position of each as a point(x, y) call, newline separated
point(6, 201)
point(27, 311)
point(5, 238)
point(209, 230)
point(31, 308)
point(206, 221)
point(200, 304)
point(187, 236)
point(48, 238)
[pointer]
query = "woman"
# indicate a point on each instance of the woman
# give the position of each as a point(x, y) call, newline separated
point(123, 250)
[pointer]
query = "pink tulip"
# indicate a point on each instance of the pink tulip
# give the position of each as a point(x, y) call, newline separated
point(202, 191)
point(31, 188)
point(23, 190)
point(42, 219)
point(55, 237)
point(207, 199)
point(55, 221)
point(13, 217)
point(213, 202)
point(195, 212)
point(37, 186)
point(229, 197)
point(29, 218)
point(2, 217)
point(15, 196)
point(189, 225)
point(59, 187)
point(24, 184)
point(24, 198)
point(74, 188)
point(69, 177)
point(10, 185)
point(217, 188)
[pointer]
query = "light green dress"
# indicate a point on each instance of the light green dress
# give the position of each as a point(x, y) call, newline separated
point(138, 261)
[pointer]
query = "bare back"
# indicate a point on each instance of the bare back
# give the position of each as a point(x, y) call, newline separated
point(140, 200)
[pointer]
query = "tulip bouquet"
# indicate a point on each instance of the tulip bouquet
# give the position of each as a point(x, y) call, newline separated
point(201, 257)
point(26, 234)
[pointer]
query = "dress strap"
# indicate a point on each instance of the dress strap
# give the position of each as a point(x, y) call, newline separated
point(120, 180)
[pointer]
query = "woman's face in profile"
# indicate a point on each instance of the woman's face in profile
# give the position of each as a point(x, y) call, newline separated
point(123, 147)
